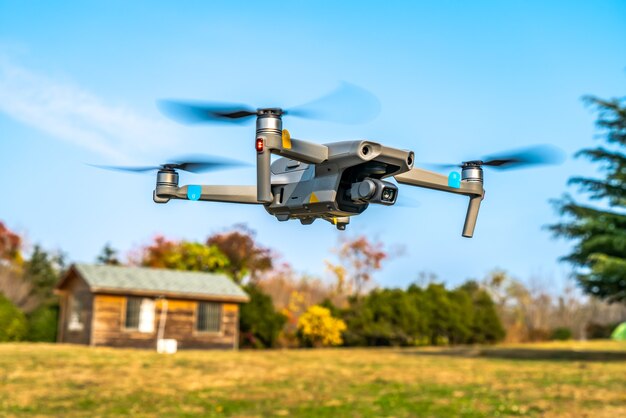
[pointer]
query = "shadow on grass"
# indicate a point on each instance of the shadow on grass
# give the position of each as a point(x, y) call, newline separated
point(518, 353)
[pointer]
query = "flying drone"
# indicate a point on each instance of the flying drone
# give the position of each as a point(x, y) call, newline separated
point(332, 181)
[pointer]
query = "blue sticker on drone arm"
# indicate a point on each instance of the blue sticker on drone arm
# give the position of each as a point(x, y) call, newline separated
point(194, 192)
point(454, 180)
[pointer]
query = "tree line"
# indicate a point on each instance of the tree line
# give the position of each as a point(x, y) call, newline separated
point(290, 309)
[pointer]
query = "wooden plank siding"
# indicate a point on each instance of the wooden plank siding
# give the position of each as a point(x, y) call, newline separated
point(103, 316)
point(109, 315)
point(75, 287)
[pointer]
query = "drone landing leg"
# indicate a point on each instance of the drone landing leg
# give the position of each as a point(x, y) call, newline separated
point(431, 180)
point(471, 216)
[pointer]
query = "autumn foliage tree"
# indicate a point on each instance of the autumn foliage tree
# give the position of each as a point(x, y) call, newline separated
point(10, 245)
point(12, 283)
point(28, 307)
point(359, 258)
point(236, 254)
point(183, 255)
point(245, 256)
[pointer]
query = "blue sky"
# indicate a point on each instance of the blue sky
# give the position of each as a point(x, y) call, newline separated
point(456, 80)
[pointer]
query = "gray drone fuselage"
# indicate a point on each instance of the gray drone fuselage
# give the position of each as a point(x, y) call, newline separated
point(331, 181)
point(326, 190)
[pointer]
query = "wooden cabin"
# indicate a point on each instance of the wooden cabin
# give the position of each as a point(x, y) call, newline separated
point(118, 306)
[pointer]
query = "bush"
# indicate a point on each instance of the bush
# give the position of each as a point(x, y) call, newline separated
point(597, 331)
point(434, 315)
point(13, 324)
point(42, 324)
point(386, 317)
point(259, 323)
point(561, 334)
point(486, 326)
point(318, 328)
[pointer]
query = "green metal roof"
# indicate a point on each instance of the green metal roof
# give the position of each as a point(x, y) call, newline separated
point(151, 280)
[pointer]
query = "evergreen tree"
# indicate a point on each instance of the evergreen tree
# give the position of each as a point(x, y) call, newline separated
point(259, 323)
point(108, 256)
point(599, 231)
point(43, 270)
point(486, 326)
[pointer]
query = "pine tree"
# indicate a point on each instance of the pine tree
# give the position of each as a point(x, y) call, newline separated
point(108, 256)
point(599, 231)
point(43, 269)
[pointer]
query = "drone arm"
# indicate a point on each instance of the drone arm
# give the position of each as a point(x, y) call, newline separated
point(431, 180)
point(283, 145)
point(305, 151)
point(230, 194)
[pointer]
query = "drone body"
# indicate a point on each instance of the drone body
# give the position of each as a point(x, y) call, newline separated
point(333, 181)
point(341, 186)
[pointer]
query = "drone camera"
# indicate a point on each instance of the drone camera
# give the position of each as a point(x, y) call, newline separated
point(388, 194)
point(374, 191)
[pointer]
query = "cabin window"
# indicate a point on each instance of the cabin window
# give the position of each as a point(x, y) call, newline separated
point(139, 314)
point(209, 317)
point(75, 321)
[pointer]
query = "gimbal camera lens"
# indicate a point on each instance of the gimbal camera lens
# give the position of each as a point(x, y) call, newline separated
point(388, 194)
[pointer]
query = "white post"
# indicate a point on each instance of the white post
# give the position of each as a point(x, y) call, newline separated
point(162, 319)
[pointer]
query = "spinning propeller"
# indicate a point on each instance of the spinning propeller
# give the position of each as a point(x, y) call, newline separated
point(346, 104)
point(192, 164)
point(535, 155)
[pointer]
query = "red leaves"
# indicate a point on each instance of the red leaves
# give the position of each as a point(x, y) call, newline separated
point(10, 244)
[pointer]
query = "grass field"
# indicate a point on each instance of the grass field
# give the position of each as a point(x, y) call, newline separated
point(557, 379)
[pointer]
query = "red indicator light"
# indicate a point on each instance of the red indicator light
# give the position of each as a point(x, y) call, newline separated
point(259, 145)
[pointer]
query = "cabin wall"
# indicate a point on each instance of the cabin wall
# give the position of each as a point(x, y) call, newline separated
point(109, 320)
point(75, 287)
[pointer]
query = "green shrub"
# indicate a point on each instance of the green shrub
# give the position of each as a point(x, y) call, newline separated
point(13, 324)
point(259, 323)
point(561, 334)
point(416, 316)
point(42, 324)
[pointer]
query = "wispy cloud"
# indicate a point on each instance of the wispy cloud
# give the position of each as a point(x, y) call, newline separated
point(71, 113)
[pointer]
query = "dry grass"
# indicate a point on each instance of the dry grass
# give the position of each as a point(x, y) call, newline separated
point(555, 379)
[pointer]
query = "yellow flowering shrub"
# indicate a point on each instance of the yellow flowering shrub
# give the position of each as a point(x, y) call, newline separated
point(320, 328)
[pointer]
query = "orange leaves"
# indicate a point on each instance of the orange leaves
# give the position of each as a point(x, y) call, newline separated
point(245, 255)
point(10, 245)
point(359, 259)
point(183, 255)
